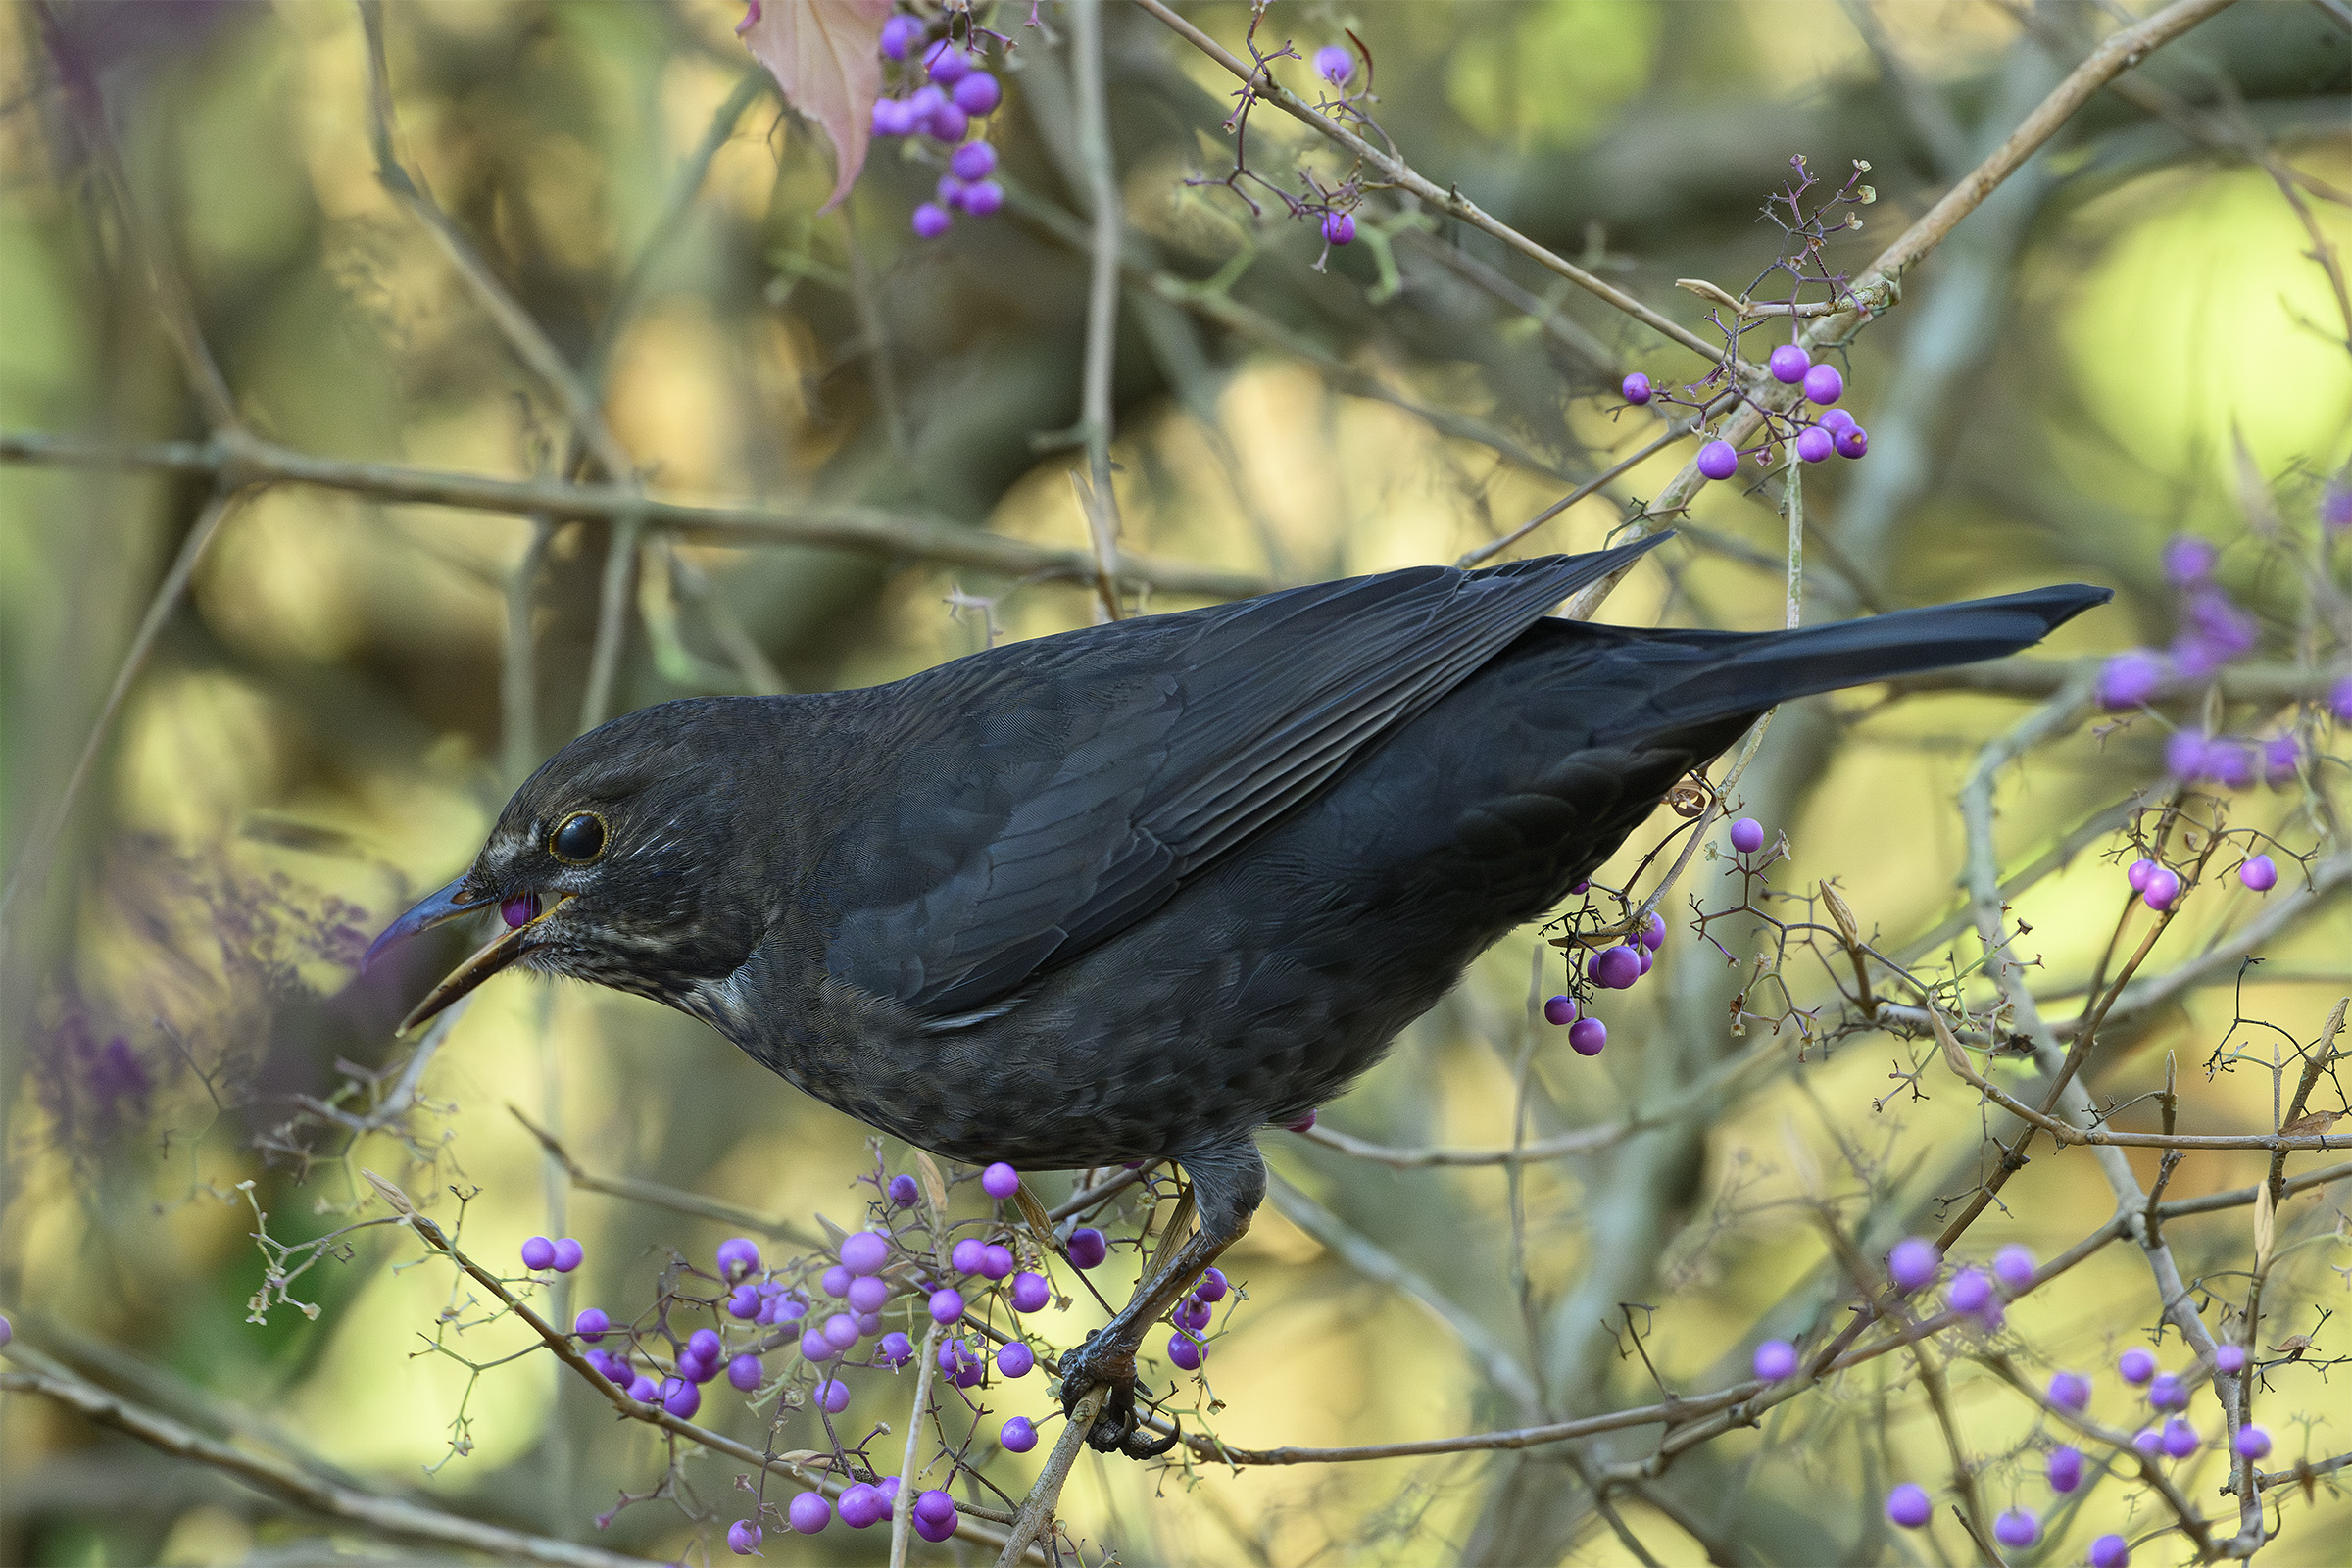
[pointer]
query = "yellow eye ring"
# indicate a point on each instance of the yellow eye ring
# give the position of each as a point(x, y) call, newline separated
point(579, 839)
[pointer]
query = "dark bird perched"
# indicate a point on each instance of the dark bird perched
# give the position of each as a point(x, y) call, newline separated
point(1134, 892)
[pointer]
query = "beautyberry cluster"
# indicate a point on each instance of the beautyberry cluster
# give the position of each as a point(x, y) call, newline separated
point(941, 91)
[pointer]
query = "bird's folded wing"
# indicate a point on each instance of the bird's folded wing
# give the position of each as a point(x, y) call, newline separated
point(1056, 791)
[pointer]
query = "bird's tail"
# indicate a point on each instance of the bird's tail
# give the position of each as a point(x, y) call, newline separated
point(1702, 677)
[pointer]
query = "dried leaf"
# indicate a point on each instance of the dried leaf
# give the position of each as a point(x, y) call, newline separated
point(2265, 1228)
point(1688, 797)
point(2311, 1124)
point(1033, 1212)
point(391, 1195)
point(2293, 1347)
point(826, 55)
point(1842, 915)
point(935, 1186)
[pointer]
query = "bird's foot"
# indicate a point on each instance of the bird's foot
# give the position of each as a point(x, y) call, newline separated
point(1106, 1360)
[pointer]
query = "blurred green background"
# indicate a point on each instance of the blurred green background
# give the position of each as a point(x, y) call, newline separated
point(2064, 386)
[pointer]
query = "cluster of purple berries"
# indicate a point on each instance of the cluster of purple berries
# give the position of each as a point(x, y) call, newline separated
point(956, 92)
point(539, 1253)
point(862, 1506)
point(1914, 1262)
point(1612, 968)
point(1190, 1316)
point(1835, 431)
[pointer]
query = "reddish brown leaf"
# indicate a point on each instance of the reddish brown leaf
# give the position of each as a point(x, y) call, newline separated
point(2311, 1124)
point(826, 55)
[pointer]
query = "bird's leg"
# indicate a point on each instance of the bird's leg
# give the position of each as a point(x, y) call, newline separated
point(1228, 1184)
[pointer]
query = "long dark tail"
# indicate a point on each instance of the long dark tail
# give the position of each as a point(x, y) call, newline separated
point(1702, 676)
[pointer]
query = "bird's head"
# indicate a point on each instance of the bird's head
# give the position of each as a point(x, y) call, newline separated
point(613, 863)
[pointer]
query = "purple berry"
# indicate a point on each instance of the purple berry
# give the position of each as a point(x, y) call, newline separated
point(895, 1348)
point(2148, 1440)
point(1913, 1262)
point(948, 192)
point(869, 1323)
point(2339, 700)
point(1192, 1314)
point(1635, 388)
point(2065, 1469)
point(644, 1389)
point(810, 1512)
point(1908, 1505)
point(590, 1325)
point(703, 1344)
point(2070, 1391)
point(681, 1398)
point(836, 1281)
point(1853, 443)
point(568, 1254)
point(832, 1396)
point(2165, 1391)
point(1654, 935)
point(785, 1310)
point(2017, 1527)
point(930, 220)
point(1339, 229)
point(1088, 1248)
point(1647, 957)
point(899, 35)
point(6, 1332)
point(2163, 890)
point(868, 1292)
point(1789, 363)
point(2138, 875)
point(1776, 1360)
point(2230, 1360)
point(2188, 560)
point(2110, 1551)
point(1305, 1123)
point(1030, 1292)
point(2261, 873)
point(964, 1257)
point(949, 124)
point(1560, 1010)
point(537, 1254)
point(2013, 1267)
point(2135, 1366)
point(2231, 763)
point(1019, 1435)
point(1718, 461)
point(1335, 64)
point(977, 160)
point(893, 117)
point(935, 1507)
point(947, 64)
point(1823, 384)
point(862, 1506)
point(978, 93)
point(934, 1532)
point(745, 1304)
point(983, 197)
point(1836, 419)
point(2180, 1439)
point(2282, 760)
point(839, 1331)
point(816, 1348)
point(744, 1372)
point(1747, 835)
point(862, 1252)
point(1587, 1036)
point(996, 1261)
point(743, 1538)
point(1815, 444)
point(1185, 1351)
point(2251, 1443)
point(998, 1180)
point(1615, 969)
point(947, 1304)
point(1970, 1291)
point(904, 1190)
point(1212, 1286)
point(2129, 680)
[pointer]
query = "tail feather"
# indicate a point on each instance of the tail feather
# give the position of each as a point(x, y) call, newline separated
point(1748, 674)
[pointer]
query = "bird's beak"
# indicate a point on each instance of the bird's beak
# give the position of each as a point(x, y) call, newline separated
point(484, 961)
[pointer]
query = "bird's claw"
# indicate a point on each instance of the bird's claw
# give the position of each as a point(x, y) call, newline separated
point(1117, 1429)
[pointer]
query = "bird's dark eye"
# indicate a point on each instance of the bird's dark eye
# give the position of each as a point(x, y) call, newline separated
point(579, 838)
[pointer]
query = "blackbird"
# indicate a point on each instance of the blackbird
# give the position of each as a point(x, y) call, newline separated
point(1134, 892)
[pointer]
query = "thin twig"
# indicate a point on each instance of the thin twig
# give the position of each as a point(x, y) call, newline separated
point(1101, 297)
point(1037, 1509)
point(833, 524)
